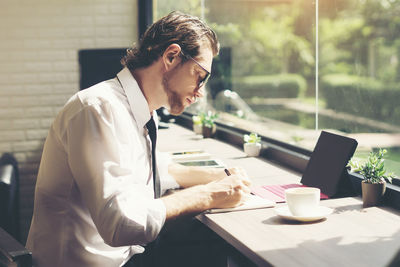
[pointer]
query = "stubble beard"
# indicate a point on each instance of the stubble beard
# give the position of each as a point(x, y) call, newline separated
point(176, 106)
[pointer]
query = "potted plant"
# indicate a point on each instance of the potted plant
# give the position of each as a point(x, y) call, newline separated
point(252, 144)
point(208, 122)
point(375, 176)
point(197, 124)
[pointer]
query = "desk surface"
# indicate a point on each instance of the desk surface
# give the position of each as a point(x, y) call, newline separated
point(351, 236)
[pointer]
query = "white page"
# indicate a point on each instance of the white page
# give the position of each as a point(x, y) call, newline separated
point(253, 202)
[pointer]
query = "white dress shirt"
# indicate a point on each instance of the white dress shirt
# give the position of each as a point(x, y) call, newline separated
point(94, 198)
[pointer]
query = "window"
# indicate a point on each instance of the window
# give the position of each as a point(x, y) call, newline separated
point(289, 69)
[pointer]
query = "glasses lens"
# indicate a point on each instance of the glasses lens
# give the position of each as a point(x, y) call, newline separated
point(204, 81)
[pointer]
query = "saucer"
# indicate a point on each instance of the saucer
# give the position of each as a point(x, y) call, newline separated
point(319, 214)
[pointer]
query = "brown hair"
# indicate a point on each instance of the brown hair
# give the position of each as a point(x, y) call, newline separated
point(182, 29)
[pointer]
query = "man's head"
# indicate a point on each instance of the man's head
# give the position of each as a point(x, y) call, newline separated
point(176, 37)
point(175, 28)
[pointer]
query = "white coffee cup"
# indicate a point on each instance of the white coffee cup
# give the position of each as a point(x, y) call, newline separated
point(303, 201)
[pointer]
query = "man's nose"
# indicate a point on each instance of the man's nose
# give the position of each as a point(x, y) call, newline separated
point(199, 93)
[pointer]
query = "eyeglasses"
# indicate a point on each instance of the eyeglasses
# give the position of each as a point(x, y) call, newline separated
point(205, 79)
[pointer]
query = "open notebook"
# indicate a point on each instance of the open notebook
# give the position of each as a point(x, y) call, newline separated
point(253, 202)
point(325, 169)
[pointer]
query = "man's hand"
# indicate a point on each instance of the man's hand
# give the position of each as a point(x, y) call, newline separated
point(230, 191)
point(237, 171)
point(222, 192)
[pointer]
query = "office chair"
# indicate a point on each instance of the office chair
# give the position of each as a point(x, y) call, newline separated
point(9, 195)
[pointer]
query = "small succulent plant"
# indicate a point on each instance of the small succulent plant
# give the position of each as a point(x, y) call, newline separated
point(252, 138)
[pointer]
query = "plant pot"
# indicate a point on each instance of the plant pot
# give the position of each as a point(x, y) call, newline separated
point(252, 149)
point(372, 193)
point(198, 128)
point(209, 131)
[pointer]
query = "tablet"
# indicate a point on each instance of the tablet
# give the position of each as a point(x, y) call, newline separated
point(203, 163)
point(326, 168)
point(186, 155)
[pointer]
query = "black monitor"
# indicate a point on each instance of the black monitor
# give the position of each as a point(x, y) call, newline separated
point(97, 65)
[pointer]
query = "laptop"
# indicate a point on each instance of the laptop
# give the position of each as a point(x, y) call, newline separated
point(325, 170)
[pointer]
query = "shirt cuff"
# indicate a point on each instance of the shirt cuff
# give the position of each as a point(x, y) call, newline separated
point(158, 211)
point(166, 180)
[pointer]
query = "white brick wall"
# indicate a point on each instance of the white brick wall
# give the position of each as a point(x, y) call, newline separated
point(39, 69)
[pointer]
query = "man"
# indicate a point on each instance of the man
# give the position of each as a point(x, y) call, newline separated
point(96, 198)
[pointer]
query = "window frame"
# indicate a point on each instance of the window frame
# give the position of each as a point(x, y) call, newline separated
point(145, 16)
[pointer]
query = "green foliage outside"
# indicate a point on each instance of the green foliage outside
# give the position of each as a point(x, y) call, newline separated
point(273, 37)
point(164, 7)
point(270, 86)
point(265, 43)
point(339, 45)
point(366, 97)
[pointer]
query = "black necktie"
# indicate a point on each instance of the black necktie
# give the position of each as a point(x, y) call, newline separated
point(151, 127)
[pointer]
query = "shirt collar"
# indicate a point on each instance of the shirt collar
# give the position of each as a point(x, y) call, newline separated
point(137, 102)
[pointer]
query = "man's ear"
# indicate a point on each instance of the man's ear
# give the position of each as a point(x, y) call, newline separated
point(171, 56)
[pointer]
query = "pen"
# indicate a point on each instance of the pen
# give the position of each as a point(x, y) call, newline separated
point(227, 172)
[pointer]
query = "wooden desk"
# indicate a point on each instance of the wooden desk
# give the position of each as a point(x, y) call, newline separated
point(351, 236)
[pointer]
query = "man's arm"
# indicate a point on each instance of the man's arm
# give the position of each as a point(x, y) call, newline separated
point(224, 193)
point(190, 176)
